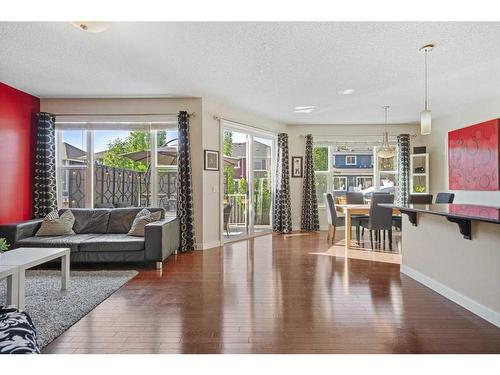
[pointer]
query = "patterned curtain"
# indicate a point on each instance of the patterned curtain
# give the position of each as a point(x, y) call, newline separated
point(184, 188)
point(309, 219)
point(282, 212)
point(403, 168)
point(44, 192)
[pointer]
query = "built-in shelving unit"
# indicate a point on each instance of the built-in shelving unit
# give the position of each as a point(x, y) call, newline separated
point(419, 174)
point(385, 171)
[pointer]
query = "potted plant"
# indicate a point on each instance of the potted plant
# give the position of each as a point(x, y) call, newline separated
point(4, 246)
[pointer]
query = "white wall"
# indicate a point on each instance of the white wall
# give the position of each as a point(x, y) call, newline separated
point(297, 147)
point(211, 141)
point(437, 144)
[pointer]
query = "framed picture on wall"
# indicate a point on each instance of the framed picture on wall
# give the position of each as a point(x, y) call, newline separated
point(297, 166)
point(211, 160)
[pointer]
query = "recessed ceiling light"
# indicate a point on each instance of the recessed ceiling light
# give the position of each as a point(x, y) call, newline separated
point(91, 26)
point(304, 109)
point(346, 92)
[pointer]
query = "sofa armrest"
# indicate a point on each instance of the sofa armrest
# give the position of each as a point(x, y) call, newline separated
point(161, 238)
point(17, 231)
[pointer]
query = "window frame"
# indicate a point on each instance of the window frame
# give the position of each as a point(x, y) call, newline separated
point(89, 166)
point(350, 163)
point(326, 172)
point(358, 178)
point(338, 177)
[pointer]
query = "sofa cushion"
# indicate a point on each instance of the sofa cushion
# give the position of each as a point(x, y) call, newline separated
point(56, 241)
point(17, 332)
point(121, 219)
point(55, 225)
point(141, 220)
point(90, 220)
point(112, 242)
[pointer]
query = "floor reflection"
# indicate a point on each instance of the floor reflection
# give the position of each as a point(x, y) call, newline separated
point(273, 294)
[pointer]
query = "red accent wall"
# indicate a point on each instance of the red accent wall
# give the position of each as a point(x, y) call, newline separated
point(17, 145)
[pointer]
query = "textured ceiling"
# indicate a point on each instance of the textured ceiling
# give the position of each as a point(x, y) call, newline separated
point(265, 68)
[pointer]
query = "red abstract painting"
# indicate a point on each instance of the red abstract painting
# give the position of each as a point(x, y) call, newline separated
point(473, 157)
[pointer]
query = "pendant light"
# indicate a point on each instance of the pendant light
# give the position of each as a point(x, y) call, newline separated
point(425, 115)
point(386, 151)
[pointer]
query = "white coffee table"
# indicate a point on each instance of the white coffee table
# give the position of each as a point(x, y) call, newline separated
point(11, 273)
point(28, 257)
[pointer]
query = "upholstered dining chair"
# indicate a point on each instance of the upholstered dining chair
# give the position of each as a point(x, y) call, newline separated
point(420, 199)
point(356, 198)
point(445, 198)
point(379, 219)
point(331, 215)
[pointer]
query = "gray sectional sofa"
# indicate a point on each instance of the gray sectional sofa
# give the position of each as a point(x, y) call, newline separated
point(101, 236)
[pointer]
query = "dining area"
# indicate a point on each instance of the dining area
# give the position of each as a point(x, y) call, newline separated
point(358, 214)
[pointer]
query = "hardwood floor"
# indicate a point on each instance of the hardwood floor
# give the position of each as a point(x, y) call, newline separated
point(277, 295)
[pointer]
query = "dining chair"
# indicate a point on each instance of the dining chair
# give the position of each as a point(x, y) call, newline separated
point(420, 199)
point(445, 198)
point(379, 219)
point(355, 198)
point(331, 215)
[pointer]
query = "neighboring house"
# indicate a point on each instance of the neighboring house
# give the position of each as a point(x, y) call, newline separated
point(72, 155)
point(261, 157)
point(352, 171)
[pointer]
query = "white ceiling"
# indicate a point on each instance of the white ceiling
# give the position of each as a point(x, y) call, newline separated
point(265, 68)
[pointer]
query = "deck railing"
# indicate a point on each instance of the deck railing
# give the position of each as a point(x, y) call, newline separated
point(238, 215)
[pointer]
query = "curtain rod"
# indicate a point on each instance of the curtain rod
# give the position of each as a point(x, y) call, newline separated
point(192, 114)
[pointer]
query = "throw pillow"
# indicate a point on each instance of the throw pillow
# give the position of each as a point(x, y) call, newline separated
point(143, 218)
point(55, 225)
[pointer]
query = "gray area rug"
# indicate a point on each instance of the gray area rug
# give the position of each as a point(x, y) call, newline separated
point(53, 311)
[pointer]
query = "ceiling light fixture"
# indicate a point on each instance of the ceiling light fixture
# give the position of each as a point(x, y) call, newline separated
point(92, 26)
point(346, 92)
point(304, 109)
point(425, 115)
point(386, 150)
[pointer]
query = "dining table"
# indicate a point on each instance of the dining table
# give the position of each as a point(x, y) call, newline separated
point(355, 209)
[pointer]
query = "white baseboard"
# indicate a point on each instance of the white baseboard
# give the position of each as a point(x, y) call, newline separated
point(475, 307)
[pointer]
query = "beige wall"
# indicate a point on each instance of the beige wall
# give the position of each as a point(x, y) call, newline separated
point(148, 106)
point(466, 271)
point(334, 132)
point(205, 133)
point(437, 144)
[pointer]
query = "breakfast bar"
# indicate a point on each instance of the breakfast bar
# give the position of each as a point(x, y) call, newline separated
point(454, 249)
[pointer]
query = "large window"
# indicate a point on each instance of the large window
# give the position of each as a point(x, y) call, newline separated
point(73, 168)
point(321, 159)
point(342, 167)
point(117, 168)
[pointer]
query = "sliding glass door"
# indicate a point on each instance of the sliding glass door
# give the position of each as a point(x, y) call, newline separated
point(261, 192)
point(248, 175)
